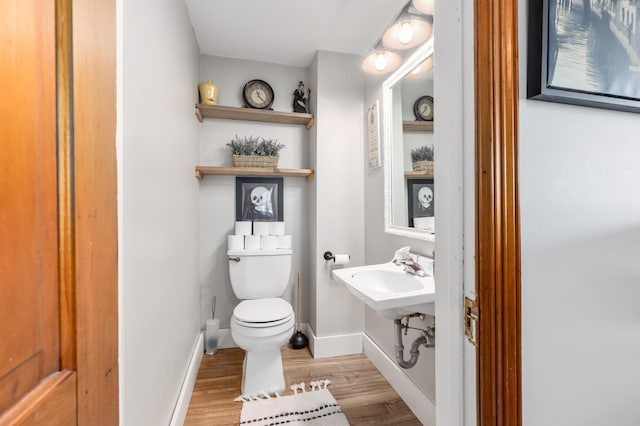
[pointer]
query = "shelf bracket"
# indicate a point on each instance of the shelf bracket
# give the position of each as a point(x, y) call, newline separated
point(310, 123)
point(311, 176)
point(199, 115)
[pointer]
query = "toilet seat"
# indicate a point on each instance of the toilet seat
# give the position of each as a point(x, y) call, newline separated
point(262, 313)
point(262, 324)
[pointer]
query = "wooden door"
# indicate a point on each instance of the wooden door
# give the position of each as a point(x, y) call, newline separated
point(29, 298)
point(58, 256)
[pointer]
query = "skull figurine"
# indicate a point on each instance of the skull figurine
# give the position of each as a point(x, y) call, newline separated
point(425, 197)
point(261, 199)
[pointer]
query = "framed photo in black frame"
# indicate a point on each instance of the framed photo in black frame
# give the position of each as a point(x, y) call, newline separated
point(420, 197)
point(259, 199)
point(584, 52)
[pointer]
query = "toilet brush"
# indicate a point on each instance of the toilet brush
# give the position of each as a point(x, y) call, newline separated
point(212, 331)
point(298, 340)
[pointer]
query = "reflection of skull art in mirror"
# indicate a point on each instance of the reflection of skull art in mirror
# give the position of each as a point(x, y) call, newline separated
point(425, 197)
point(421, 199)
point(259, 199)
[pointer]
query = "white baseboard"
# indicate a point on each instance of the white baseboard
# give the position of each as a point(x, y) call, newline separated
point(226, 340)
point(182, 405)
point(321, 347)
point(423, 408)
point(327, 346)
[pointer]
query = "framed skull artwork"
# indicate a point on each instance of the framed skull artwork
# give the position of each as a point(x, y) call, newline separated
point(259, 199)
point(420, 197)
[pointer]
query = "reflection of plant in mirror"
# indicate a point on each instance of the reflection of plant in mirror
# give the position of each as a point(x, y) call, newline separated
point(423, 153)
point(255, 146)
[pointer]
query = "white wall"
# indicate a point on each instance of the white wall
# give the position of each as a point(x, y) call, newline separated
point(337, 206)
point(380, 247)
point(454, 200)
point(469, 161)
point(313, 205)
point(158, 207)
point(217, 193)
point(580, 225)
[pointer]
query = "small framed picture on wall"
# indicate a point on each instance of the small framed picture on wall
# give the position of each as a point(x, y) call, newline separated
point(584, 53)
point(259, 199)
point(373, 130)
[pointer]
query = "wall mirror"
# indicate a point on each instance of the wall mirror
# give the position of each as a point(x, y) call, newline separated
point(407, 98)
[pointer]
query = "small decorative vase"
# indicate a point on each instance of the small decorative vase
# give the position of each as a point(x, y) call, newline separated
point(208, 93)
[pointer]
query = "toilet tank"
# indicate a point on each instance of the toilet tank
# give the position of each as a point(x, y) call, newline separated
point(259, 274)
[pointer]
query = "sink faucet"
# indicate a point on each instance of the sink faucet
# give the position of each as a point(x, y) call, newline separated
point(403, 257)
point(412, 267)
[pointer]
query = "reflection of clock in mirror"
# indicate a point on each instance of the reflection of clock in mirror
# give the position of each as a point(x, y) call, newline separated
point(258, 94)
point(423, 108)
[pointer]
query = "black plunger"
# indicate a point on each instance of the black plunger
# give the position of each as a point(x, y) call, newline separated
point(298, 340)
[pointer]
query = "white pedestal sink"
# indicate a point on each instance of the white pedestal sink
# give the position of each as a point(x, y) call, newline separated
point(389, 290)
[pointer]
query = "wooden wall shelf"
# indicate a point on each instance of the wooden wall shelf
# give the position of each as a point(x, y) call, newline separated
point(417, 175)
point(250, 114)
point(252, 171)
point(417, 126)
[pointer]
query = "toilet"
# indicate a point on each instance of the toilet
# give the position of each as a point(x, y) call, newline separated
point(262, 322)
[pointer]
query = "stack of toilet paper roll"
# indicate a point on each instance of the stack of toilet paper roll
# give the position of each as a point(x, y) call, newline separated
point(259, 236)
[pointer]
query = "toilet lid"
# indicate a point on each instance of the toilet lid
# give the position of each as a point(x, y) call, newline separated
point(262, 310)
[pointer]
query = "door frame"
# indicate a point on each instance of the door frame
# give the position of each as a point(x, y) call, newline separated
point(498, 282)
point(95, 209)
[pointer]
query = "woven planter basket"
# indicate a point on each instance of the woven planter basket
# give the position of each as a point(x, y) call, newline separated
point(423, 166)
point(255, 161)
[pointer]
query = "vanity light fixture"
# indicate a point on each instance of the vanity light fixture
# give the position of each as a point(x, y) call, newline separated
point(381, 62)
point(424, 6)
point(409, 30)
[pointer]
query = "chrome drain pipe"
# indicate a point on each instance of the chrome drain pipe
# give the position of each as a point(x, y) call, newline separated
point(427, 339)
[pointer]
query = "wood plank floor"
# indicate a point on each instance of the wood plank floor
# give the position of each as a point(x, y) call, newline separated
point(364, 395)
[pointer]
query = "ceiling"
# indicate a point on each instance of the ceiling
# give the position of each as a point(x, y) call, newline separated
point(289, 32)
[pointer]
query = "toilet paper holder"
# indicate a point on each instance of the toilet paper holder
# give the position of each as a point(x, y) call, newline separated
point(330, 256)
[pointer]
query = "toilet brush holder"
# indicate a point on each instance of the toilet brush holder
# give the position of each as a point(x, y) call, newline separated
point(212, 331)
point(211, 336)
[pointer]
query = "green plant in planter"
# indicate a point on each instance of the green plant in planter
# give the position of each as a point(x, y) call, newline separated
point(423, 153)
point(250, 145)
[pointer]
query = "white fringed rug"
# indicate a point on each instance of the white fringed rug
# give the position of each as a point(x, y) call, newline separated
point(316, 407)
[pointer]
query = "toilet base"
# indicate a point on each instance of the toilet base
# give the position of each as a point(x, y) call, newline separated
point(262, 372)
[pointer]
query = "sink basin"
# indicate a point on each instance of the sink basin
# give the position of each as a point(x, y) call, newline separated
point(389, 290)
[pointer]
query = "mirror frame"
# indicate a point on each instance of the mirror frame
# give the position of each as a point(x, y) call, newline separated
point(420, 55)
